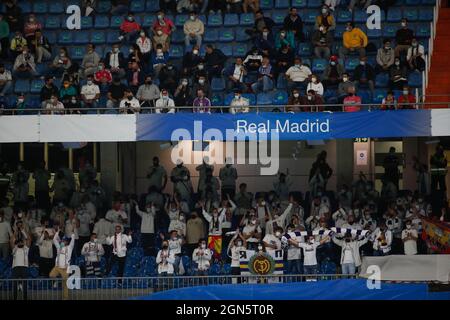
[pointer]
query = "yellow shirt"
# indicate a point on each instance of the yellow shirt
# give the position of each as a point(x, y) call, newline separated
point(355, 38)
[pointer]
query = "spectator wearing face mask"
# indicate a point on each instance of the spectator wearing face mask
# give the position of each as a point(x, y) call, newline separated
point(352, 102)
point(135, 76)
point(64, 250)
point(252, 232)
point(145, 45)
point(165, 260)
point(333, 73)
point(176, 242)
point(322, 40)
point(382, 240)
point(350, 257)
point(315, 85)
point(5, 80)
point(284, 38)
point(272, 242)
point(309, 252)
point(235, 74)
point(354, 39)
point(364, 74)
point(313, 100)
point(202, 257)
point(182, 94)
point(168, 77)
point(147, 227)
point(409, 238)
point(20, 251)
point(159, 60)
point(295, 102)
point(24, 64)
point(398, 75)
point(202, 84)
point(115, 61)
point(239, 104)
point(201, 104)
point(403, 38)
point(102, 76)
point(30, 27)
point(406, 100)
point(297, 75)
point(293, 22)
point(276, 219)
point(129, 29)
point(40, 47)
point(389, 102)
point(415, 55)
point(194, 232)
point(92, 251)
point(116, 92)
point(214, 61)
point(90, 93)
point(193, 30)
point(265, 77)
point(264, 41)
point(284, 58)
point(62, 62)
point(325, 20)
point(236, 245)
point(215, 220)
point(90, 61)
point(253, 60)
point(119, 250)
point(192, 59)
point(129, 103)
point(18, 42)
point(53, 106)
point(165, 104)
point(385, 57)
point(148, 93)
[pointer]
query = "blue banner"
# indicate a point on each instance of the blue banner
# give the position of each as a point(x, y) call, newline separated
point(283, 126)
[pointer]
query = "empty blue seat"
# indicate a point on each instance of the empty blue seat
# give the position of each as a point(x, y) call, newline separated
point(423, 30)
point(394, 14)
point(148, 20)
point(247, 19)
point(382, 80)
point(217, 99)
point(104, 6)
point(228, 98)
point(314, 3)
point(299, 3)
point(226, 35)
point(22, 86)
point(178, 36)
point(211, 35)
point(360, 16)
point(36, 86)
point(389, 30)
point(52, 22)
point(412, 2)
point(309, 16)
point(86, 23)
point(231, 20)
point(239, 50)
point(264, 98)
point(374, 33)
point(181, 19)
point(318, 65)
point(280, 97)
point(217, 84)
point(339, 31)
point(81, 37)
point(26, 7)
point(176, 52)
point(241, 35)
point(425, 14)
point(226, 49)
point(265, 4)
point(152, 5)
point(379, 95)
point(304, 49)
point(112, 36)
point(411, 14)
point(251, 98)
point(137, 6)
point(40, 7)
point(65, 37)
point(215, 20)
point(351, 63)
point(98, 37)
point(343, 16)
point(101, 22)
point(77, 53)
point(282, 4)
point(116, 21)
point(278, 16)
point(56, 7)
point(415, 79)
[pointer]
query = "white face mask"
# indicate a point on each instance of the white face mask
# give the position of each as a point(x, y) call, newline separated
point(201, 81)
point(115, 50)
point(277, 234)
point(142, 34)
point(408, 226)
point(239, 243)
point(159, 51)
point(192, 18)
point(265, 34)
point(314, 80)
point(184, 83)
point(203, 246)
point(89, 82)
point(403, 24)
point(159, 32)
point(195, 51)
point(160, 17)
point(296, 95)
point(200, 67)
point(310, 98)
point(345, 79)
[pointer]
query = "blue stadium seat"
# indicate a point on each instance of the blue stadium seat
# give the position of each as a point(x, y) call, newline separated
point(81, 37)
point(251, 98)
point(415, 79)
point(176, 52)
point(148, 20)
point(339, 31)
point(116, 21)
point(280, 97)
point(217, 84)
point(411, 14)
point(309, 16)
point(241, 35)
point(428, 2)
point(86, 23)
point(394, 14)
point(112, 36)
point(226, 49)
point(374, 33)
point(104, 6)
point(98, 37)
point(77, 52)
point(101, 22)
point(314, 3)
point(264, 98)
point(178, 36)
point(425, 14)
point(382, 80)
point(228, 98)
point(51, 36)
point(203, 19)
point(22, 85)
point(389, 30)
point(318, 65)
point(217, 99)
point(278, 16)
point(36, 86)
point(299, 3)
point(65, 37)
point(211, 35)
point(266, 4)
point(52, 22)
point(360, 16)
point(40, 7)
point(56, 7)
point(231, 20)
point(423, 30)
point(247, 19)
point(366, 96)
point(152, 6)
point(137, 6)
point(304, 49)
point(226, 269)
point(351, 63)
point(379, 95)
point(282, 4)
point(215, 20)
point(180, 20)
point(239, 50)
point(226, 35)
point(26, 7)
point(343, 16)
point(412, 2)
point(281, 82)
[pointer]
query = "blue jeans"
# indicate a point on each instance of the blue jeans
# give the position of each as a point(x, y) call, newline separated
point(197, 38)
point(294, 266)
point(310, 269)
point(6, 88)
point(176, 264)
point(348, 268)
point(265, 84)
point(301, 86)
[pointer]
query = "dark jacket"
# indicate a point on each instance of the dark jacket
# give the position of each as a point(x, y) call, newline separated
point(46, 93)
point(215, 58)
point(296, 25)
point(122, 61)
point(191, 60)
point(404, 36)
point(359, 71)
point(268, 21)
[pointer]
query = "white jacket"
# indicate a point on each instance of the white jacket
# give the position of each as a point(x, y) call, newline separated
point(162, 105)
point(119, 248)
point(239, 105)
point(215, 230)
point(92, 251)
point(202, 257)
point(377, 244)
point(147, 220)
point(354, 246)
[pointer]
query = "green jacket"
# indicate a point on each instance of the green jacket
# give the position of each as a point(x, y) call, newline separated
point(4, 29)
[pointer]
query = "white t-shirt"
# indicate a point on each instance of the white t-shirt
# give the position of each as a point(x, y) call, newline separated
point(348, 255)
point(20, 257)
point(175, 246)
point(90, 91)
point(298, 74)
point(250, 228)
point(273, 240)
point(235, 253)
point(309, 252)
point(410, 246)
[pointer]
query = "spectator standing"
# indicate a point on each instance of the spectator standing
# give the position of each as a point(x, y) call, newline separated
point(119, 250)
point(5, 236)
point(403, 38)
point(409, 238)
point(20, 251)
point(64, 250)
point(350, 257)
point(214, 61)
point(93, 251)
point(438, 169)
point(293, 22)
point(228, 177)
point(202, 257)
point(46, 259)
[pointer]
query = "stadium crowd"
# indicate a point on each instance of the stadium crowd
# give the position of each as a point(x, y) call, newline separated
point(146, 75)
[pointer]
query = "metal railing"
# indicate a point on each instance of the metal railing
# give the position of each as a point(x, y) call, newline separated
point(223, 109)
point(135, 287)
point(431, 39)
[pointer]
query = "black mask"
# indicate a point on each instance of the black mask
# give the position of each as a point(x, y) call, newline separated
point(347, 240)
point(148, 82)
point(130, 97)
point(165, 246)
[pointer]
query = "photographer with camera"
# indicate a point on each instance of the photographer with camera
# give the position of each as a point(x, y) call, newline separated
point(409, 238)
point(129, 103)
point(382, 240)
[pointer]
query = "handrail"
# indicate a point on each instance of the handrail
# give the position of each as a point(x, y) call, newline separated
point(428, 57)
point(370, 107)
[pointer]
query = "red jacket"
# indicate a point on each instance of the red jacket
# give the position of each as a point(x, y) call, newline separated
point(103, 75)
point(128, 26)
point(352, 104)
point(408, 99)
